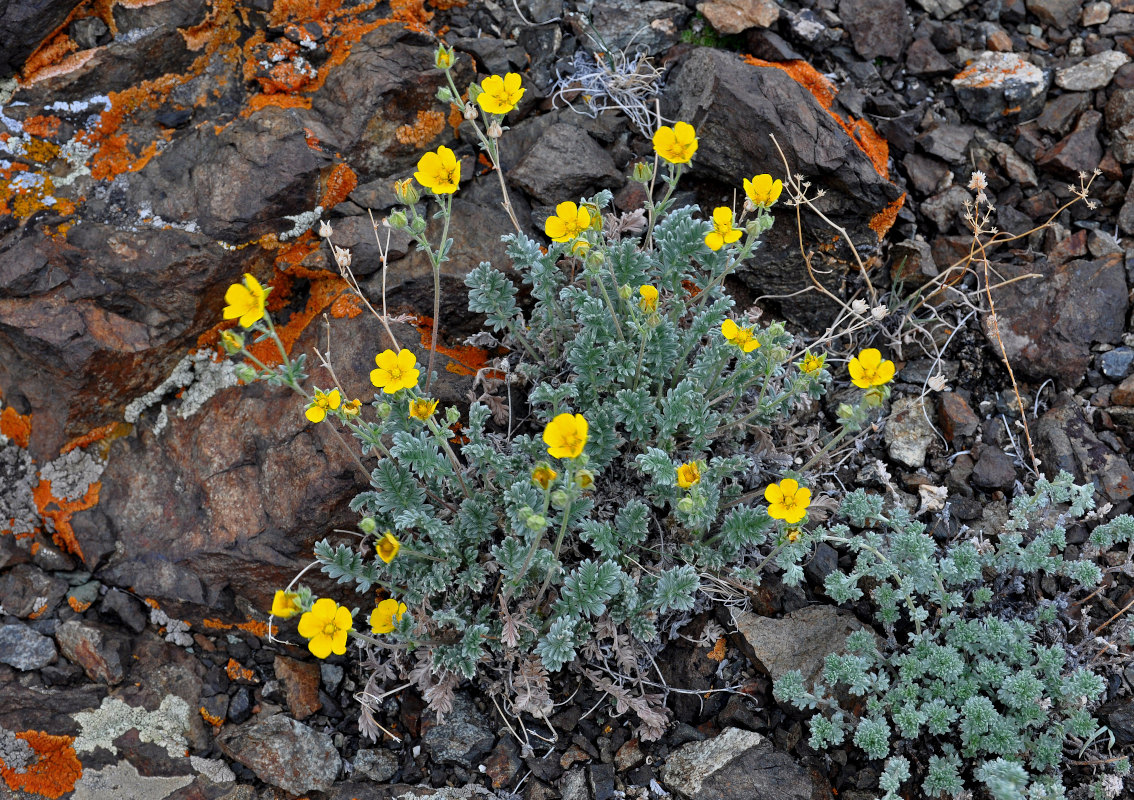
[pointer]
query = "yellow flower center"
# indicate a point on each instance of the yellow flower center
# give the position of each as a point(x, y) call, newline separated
point(743, 337)
point(395, 374)
point(385, 548)
point(329, 629)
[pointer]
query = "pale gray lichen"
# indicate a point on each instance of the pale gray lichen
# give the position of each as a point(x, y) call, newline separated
point(303, 223)
point(198, 375)
point(15, 753)
point(72, 473)
point(18, 512)
point(165, 727)
point(123, 780)
point(176, 631)
point(215, 769)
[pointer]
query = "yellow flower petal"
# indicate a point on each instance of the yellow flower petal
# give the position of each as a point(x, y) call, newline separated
point(315, 414)
point(722, 216)
point(338, 642)
point(773, 494)
point(320, 646)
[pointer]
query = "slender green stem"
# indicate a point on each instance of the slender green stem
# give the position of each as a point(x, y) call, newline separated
point(641, 353)
point(440, 436)
point(558, 544)
point(610, 306)
point(447, 210)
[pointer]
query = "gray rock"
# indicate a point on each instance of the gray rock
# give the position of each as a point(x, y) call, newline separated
point(1118, 25)
point(464, 737)
point(737, 16)
point(26, 590)
point(800, 640)
point(377, 764)
point(947, 142)
point(564, 164)
point(1119, 717)
point(1122, 144)
point(1048, 324)
point(736, 765)
point(912, 262)
point(942, 8)
point(908, 432)
point(1095, 14)
point(1060, 113)
point(999, 85)
point(877, 27)
point(1116, 363)
point(284, 753)
point(651, 26)
point(1126, 213)
point(922, 58)
point(1064, 440)
point(946, 209)
point(573, 785)
point(993, 469)
point(737, 107)
point(125, 608)
point(1120, 109)
point(24, 649)
point(1091, 73)
point(1059, 13)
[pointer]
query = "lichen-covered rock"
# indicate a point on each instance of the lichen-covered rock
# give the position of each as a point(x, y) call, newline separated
point(999, 85)
point(24, 649)
point(284, 753)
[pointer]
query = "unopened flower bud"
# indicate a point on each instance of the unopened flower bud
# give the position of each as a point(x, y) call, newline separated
point(642, 172)
point(537, 522)
point(443, 58)
point(246, 373)
point(625, 292)
point(685, 505)
point(367, 525)
point(406, 192)
point(444, 95)
point(584, 479)
point(384, 410)
point(559, 499)
point(398, 220)
point(417, 225)
point(494, 130)
point(232, 341)
point(452, 415)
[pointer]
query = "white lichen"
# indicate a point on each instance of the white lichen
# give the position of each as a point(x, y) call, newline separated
point(198, 374)
point(72, 473)
point(176, 631)
point(124, 780)
point(18, 477)
point(214, 769)
point(165, 727)
point(15, 753)
point(303, 223)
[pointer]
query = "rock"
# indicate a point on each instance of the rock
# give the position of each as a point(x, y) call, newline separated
point(1123, 394)
point(736, 765)
point(24, 649)
point(1119, 717)
point(565, 164)
point(922, 58)
point(651, 26)
point(948, 142)
point(800, 640)
point(629, 756)
point(284, 753)
point(912, 262)
point(1094, 72)
point(1118, 25)
point(1060, 113)
point(24, 24)
point(998, 85)
point(1122, 144)
point(956, 416)
point(1057, 13)
point(464, 736)
point(98, 649)
point(946, 210)
point(737, 105)
point(877, 28)
point(1064, 440)
point(377, 764)
point(994, 468)
point(1120, 109)
point(737, 16)
point(1094, 14)
point(1048, 324)
point(1116, 363)
point(908, 432)
point(942, 8)
point(123, 607)
point(300, 680)
point(503, 763)
point(27, 592)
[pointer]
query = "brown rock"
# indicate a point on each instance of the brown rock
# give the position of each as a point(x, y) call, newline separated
point(1064, 440)
point(876, 27)
point(1080, 151)
point(27, 591)
point(800, 640)
point(737, 16)
point(301, 686)
point(98, 649)
point(1123, 394)
point(955, 416)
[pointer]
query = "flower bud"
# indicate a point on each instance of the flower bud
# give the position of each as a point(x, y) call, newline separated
point(367, 525)
point(537, 522)
point(559, 499)
point(452, 415)
point(444, 95)
point(406, 192)
point(384, 410)
point(642, 172)
point(418, 225)
point(685, 505)
point(398, 220)
point(246, 373)
point(584, 479)
point(443, 58)
point(625, 292)
point(232, 341)
point(596, 216)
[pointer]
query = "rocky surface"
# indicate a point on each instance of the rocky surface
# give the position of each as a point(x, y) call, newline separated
point(151, 153)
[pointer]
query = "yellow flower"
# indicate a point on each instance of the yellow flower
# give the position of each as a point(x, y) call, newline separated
point(688, 474)
point(443, 58)
point(867, 369)
point(741, 337)
point(649, 301)
point(677, 144)
point(395, 371)
point(387, 547)
point(245, 301)
point(762, 190)
point(383, 617)
point(584, 479)
point(284, 605)
point(322, 403)
point(568, 223)
point(565, 436)
point(543, 475)
point(232, 342)
point(352, 408)
point(440, 171)
point(326, 626)
point(722, 233)
point(812, 364)
point(793, 534)
point(422, 408)
point(405, 192)
point(499, 95)
point(787, 500)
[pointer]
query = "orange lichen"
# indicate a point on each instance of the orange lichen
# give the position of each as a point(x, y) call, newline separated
point(340, 183)
point(103, 433)
point(255, 627)
point(212, 719)
point(346, 306)
point(445, 5)
point(49, 54)
point(718, 651)
point(41, 126)
point(456, 118)
point(60, 512)
point(16, 427)
point(881, 222)
point(204, 33)
point(56, 770)
point(428, 127)
point(464, 359)
point(860, 131)
point(412, 13)
point(237, 672)
point(77, 605)
point(258, 101)
point(151, 602)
